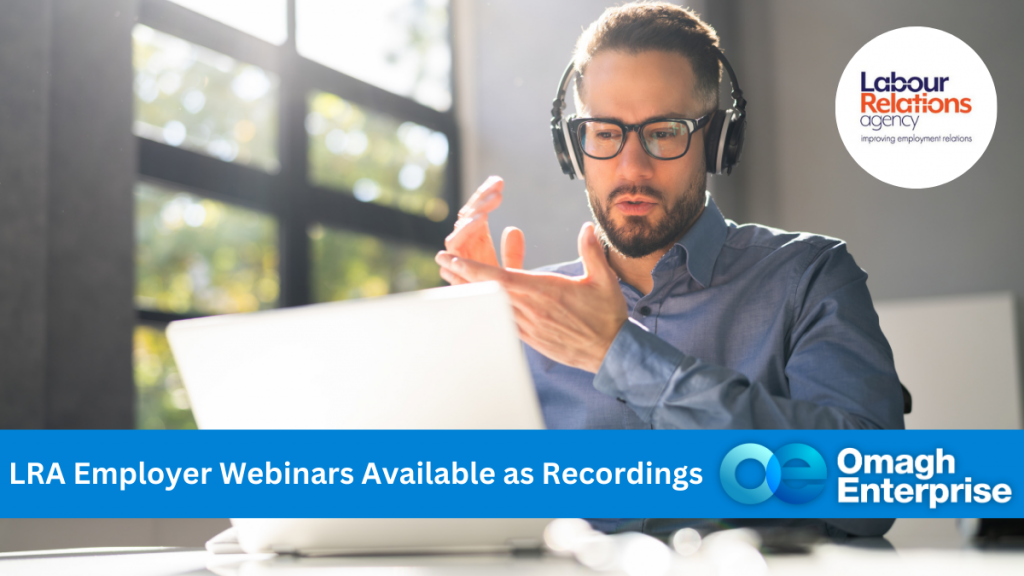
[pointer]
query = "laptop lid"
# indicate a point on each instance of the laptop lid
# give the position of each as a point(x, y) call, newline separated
point(446, 358)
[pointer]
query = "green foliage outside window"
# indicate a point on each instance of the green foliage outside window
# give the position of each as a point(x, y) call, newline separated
point(350, 265)
point(376, 157)
point(161, 401)
point(204, 101)
point(194, 255)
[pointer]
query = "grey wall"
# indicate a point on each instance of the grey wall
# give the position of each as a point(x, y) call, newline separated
point(90, 292)
point(962, 237)
point(24, 48)
point(67, 164)
point(519, 50)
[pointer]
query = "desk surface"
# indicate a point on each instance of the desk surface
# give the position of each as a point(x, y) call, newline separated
point(824, 559)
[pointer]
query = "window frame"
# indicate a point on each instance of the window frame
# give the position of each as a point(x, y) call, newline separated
point(287, 195)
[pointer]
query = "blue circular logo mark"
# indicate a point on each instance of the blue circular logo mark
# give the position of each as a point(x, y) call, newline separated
point(791, 484)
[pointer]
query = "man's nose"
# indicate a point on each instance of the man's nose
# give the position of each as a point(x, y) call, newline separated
point(633, 162)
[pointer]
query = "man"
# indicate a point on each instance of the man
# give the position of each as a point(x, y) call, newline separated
point(675, 317)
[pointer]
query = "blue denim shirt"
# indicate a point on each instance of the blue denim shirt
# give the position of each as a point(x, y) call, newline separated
point(746, 327)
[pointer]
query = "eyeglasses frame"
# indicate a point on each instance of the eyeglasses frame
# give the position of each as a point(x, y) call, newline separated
point(692, 125)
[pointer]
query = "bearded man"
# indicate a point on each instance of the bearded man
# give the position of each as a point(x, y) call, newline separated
point(675, 317)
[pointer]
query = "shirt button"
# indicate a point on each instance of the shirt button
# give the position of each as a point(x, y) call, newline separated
point(645, 311)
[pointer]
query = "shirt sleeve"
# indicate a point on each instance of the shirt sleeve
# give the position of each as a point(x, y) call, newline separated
point(840, 369)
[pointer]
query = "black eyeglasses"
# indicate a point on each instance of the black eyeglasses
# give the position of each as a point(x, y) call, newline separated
point(662, 138)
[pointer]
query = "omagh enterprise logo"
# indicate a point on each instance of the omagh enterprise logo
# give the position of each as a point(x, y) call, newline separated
point(795, 473)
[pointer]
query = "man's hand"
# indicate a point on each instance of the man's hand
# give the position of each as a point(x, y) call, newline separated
point(471, 238)
point(570, 320)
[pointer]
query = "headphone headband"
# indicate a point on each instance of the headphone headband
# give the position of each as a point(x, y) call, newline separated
point(558, 105)
point(723, 137)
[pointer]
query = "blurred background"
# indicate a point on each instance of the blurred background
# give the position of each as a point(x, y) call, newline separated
point(168, 159)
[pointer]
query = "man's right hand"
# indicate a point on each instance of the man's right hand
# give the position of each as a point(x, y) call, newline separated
point(471, 238)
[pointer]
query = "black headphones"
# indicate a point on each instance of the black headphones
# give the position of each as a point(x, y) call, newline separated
point(723, 135)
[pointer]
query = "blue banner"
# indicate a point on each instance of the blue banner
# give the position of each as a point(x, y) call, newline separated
point(483, 474)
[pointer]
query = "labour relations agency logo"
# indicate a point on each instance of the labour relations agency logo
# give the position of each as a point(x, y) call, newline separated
point(795, 473)
point(916, 107)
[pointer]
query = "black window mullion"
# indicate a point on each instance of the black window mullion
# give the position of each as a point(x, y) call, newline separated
point(344, 211)
point(453, 181)
point(453, 176)
point(290, 43)
point(291, 197)
point(207, 176)
point(162, 319)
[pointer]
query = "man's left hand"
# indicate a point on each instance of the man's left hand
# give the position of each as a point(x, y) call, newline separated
point(570, 320)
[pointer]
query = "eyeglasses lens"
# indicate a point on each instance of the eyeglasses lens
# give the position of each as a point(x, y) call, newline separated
point(600, 139)
point(666, 139)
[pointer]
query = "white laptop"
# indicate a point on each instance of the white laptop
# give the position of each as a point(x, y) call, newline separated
point(445, 358)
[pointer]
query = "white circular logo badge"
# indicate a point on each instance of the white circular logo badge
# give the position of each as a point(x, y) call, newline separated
point(916, 107)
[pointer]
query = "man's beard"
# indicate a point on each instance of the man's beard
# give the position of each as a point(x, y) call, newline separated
point(635, 238)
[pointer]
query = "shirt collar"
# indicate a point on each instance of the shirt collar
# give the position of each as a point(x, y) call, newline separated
point(703, 242)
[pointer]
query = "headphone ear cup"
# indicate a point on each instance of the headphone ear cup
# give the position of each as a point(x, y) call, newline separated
point(734, 142)
point(561, 151)
point(712, 137)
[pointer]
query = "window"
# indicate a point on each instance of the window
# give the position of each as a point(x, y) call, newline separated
point(352, 265)
point(204, 101)
point(276, 170)
point(160, 398)
point(375, 157)
point(264, 19)
point(401, 46)
point(195, 255)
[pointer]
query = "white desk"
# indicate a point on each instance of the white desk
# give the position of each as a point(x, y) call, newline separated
point(825, 559)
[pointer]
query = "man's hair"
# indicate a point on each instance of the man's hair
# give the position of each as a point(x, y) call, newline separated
point(654, 26)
